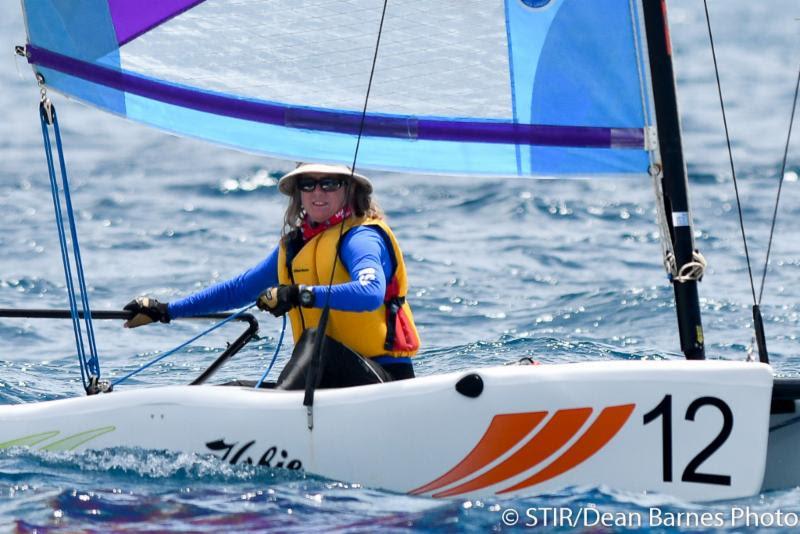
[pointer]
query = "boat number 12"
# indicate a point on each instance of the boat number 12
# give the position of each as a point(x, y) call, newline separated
point(664, 411)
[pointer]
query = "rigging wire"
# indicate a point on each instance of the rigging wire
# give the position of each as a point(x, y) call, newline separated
point(172, 351)
point(730, 152)
point(780, 186)
point(311, 379)
point(758, 323)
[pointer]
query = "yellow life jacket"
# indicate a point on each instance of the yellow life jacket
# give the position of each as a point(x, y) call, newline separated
point(387, 330)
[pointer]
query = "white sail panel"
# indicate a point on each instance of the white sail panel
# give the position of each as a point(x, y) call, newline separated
point(319, 54)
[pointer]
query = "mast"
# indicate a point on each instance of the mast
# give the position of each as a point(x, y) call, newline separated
point(673, 175)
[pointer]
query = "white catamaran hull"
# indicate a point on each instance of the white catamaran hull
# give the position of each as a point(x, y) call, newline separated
point(679, 427)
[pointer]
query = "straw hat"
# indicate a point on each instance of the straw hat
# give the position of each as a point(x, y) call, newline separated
point(286, 184)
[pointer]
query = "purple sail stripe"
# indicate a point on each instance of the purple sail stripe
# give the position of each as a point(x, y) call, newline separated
point(524, 134)
point(349, 122)
point(131, 19)
point(346, 122)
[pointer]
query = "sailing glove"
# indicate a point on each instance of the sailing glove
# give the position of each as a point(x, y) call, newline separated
point(145, 310)
point(281, 299)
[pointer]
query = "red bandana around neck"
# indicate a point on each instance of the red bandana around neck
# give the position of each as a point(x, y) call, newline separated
point(312, 229)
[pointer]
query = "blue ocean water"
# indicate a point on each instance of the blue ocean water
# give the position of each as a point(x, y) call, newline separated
point(559, 271)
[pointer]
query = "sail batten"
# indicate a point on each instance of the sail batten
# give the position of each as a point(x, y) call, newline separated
point(504, 88)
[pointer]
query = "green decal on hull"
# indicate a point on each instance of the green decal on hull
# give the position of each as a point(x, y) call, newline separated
point(29, 441)
point(72, 442)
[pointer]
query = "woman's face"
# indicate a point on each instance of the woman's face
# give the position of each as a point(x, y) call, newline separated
point(321, 205)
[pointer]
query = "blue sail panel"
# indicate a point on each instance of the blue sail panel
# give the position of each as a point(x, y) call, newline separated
point(435, 156)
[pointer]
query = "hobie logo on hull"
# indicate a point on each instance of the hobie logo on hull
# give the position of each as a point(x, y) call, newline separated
point(508, 430)
point(270, 457)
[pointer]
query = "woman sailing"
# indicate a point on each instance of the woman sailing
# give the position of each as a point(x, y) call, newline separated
point(332, 228)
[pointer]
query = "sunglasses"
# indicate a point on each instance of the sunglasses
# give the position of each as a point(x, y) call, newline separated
point(307, 185)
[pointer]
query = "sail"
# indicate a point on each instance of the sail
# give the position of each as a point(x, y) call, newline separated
point(528, 88)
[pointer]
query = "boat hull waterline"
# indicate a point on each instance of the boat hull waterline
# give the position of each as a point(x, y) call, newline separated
point(676, 427)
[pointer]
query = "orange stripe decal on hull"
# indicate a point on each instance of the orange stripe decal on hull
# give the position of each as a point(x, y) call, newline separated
point(605, 427)
point(505, 431)
point(559, 429)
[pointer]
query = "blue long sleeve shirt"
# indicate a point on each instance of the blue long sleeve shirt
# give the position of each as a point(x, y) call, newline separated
point(364, 253)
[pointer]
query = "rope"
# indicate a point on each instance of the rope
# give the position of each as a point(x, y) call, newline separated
point(691, 271)
point(369, 88)
point(182, 345)
point(274, 356)
point(780, 187)
point(93, 363)
point(319, 342)
point(90, 366)
point(358, 145)
point(730, 152)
